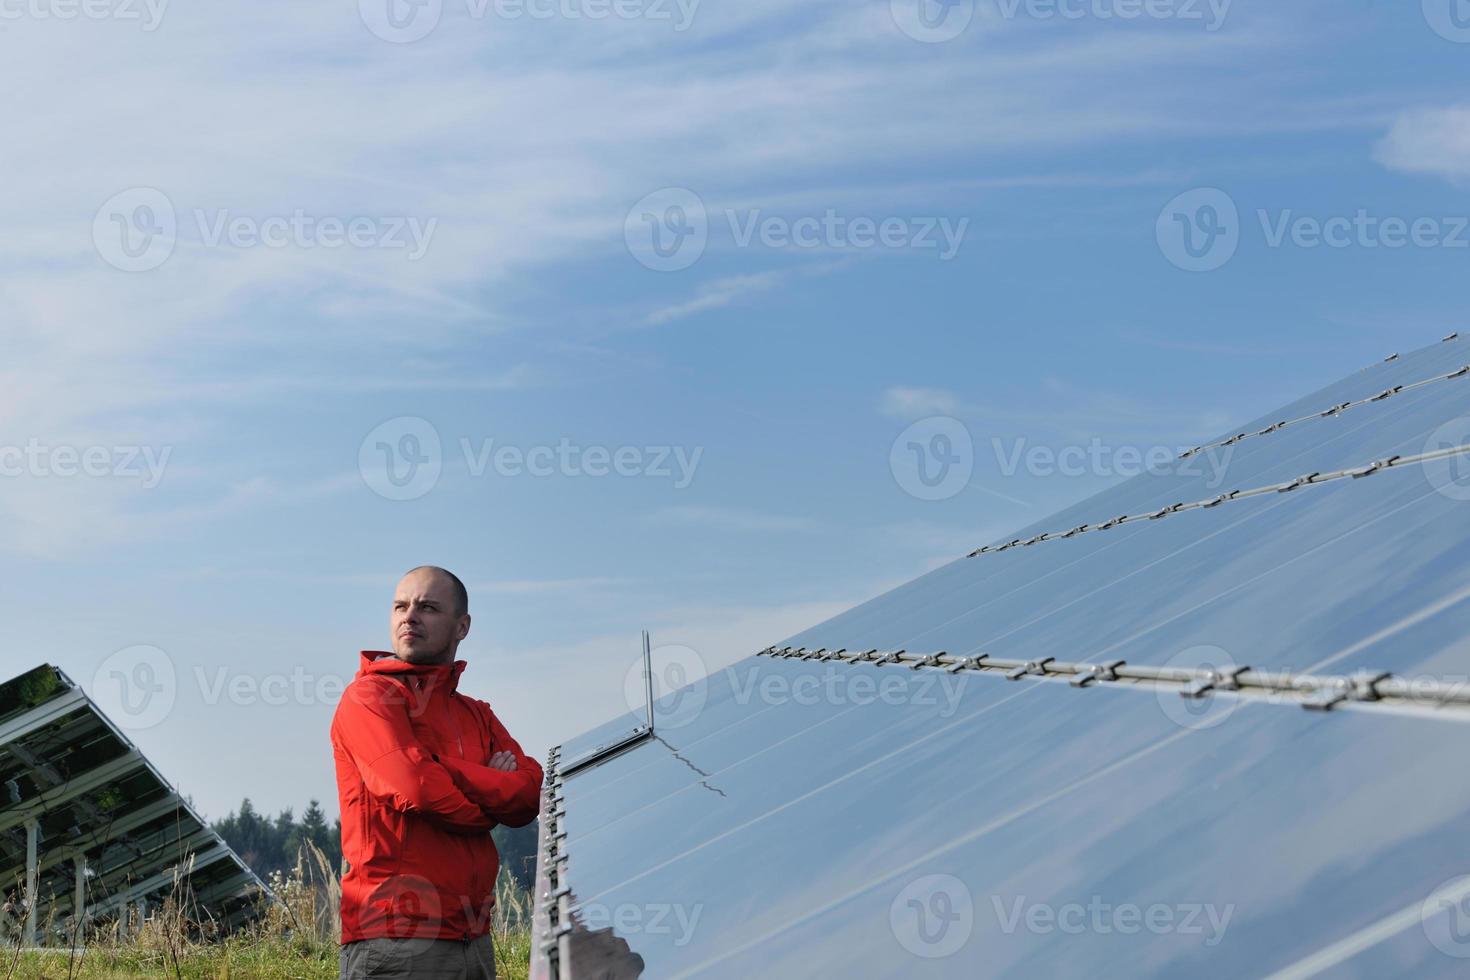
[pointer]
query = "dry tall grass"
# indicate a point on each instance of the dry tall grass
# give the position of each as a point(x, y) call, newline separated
point(296, 937)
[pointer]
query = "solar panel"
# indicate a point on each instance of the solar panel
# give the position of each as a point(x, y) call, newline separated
point(89, 830)
point(1145, 797)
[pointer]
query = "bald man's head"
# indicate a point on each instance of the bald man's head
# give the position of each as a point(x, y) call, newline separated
point(430, 615)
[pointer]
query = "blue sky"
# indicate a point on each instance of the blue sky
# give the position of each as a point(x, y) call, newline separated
point(178, 286)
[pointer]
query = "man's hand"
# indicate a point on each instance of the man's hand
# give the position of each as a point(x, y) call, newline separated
point(504, 761)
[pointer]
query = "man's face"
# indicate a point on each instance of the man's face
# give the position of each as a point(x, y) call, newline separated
point(427, 627)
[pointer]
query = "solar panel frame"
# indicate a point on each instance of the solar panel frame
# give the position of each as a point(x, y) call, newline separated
point(71, 766)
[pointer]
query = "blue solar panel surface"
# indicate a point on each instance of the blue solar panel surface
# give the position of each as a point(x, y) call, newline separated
point(829, 819)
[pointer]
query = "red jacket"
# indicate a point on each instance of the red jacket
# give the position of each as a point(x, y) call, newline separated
point(418, 801)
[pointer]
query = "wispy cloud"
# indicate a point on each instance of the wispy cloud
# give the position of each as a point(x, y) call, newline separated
point(729, 519)
point(716, 294)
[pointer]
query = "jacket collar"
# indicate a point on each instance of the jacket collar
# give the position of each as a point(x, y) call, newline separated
point(427, 677)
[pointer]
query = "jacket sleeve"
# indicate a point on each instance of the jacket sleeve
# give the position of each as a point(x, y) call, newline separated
point(372, 726)
point(512, 798)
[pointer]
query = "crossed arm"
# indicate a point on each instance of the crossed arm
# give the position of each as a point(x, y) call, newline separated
point(508, 787)
point(457, 795)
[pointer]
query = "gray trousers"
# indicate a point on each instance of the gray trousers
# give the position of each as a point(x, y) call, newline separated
point(419, 959)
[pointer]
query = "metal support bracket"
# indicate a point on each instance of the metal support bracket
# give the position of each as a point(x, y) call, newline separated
point(1091, 673)
point(968, 663)
point(1030, 667)
point(1214, 680)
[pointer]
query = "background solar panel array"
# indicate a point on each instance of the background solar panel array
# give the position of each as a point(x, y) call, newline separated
point(789, 820)
point(63, 764)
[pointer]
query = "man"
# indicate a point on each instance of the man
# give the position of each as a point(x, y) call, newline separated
point(423, 774)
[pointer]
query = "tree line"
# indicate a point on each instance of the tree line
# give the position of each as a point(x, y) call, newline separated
point(269, 844)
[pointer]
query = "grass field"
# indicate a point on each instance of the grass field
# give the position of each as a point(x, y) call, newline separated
point(296, 939)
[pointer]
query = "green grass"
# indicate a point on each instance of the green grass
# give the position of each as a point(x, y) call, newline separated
point(229, 960)
point(295, 939)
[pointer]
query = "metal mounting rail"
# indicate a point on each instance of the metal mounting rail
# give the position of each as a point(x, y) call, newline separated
point(1305, 480)
point(552, 923)
point(1311, 691)
point(1334, 409)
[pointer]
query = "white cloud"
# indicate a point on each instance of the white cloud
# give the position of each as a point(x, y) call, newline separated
point(909, 404)
point(1433, 142)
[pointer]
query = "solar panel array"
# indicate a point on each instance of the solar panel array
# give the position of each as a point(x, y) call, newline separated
point(1145, 795)
point(87, 824)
